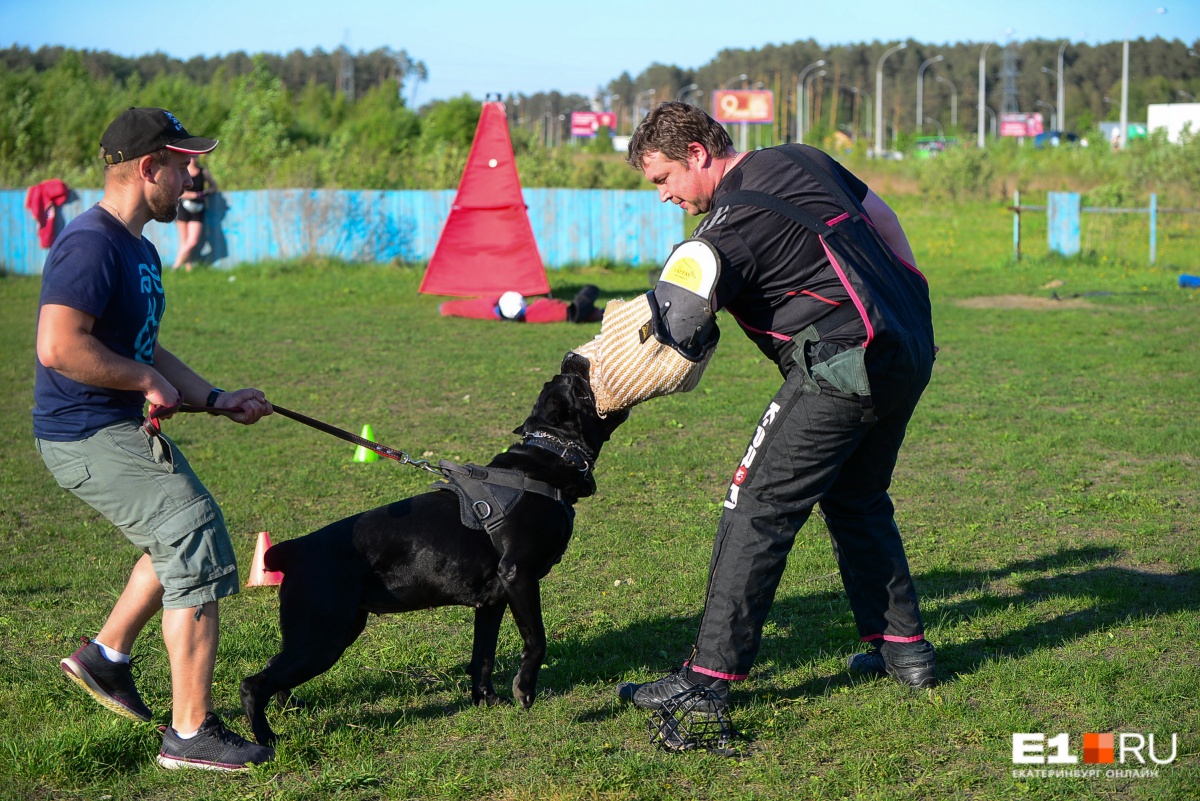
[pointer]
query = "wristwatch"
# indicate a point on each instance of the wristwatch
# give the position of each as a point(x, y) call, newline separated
point(212, 397)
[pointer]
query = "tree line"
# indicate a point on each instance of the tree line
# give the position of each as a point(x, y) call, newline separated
point(355, 121)
point(839, 91)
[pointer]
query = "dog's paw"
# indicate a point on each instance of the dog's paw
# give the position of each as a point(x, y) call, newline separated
point(522, 695)
point(491, 699)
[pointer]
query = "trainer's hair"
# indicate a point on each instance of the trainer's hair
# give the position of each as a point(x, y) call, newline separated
point(670, 127)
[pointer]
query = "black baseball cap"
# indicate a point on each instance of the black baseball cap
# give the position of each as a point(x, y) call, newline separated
point(139, 131)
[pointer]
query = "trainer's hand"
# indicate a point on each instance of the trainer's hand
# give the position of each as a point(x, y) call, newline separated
point(165, 397)
point(253, 404)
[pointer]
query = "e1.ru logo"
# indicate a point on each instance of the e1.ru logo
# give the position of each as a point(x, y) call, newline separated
point(1098, 749)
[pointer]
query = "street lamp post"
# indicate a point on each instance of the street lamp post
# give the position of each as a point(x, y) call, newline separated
point(1053, 114)
point(1191, 97)
point(742, 136)
point(758, 85)
point(1062, 92)
point(808, 83)
point(941, 133)
point(988, 110)
point(637, 106)
point(800, 98)
point(685, 91)
point(867, 95)
point(921, 89)
point(1123, 133)
point(953, 100)
point(879, 97)
point(1048, 71)
point(982, 89)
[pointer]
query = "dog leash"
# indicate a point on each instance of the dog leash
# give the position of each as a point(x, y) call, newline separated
point(153, 425)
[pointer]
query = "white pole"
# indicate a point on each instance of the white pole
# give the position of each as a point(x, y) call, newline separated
point(1121, 133)
point(1062, 103)
point(982, 89)
point(921, 91)
point(802, 97)
point(879, 98)
point(1124, 133)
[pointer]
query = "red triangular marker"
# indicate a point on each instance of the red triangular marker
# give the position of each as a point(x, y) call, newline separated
point(487, 246)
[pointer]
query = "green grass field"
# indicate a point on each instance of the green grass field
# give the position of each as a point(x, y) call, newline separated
point(1047, 492)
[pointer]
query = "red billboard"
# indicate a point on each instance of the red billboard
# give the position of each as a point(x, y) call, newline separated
point(587, 123)
point(741, 105)
point(1021, 123)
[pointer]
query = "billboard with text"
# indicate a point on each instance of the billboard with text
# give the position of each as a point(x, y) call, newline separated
point(587, 123)
point(740, 105)
point(1021, 123)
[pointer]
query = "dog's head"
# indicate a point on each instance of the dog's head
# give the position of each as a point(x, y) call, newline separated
point(566, 408)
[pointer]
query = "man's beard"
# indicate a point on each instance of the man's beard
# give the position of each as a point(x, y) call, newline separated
point(163, 208)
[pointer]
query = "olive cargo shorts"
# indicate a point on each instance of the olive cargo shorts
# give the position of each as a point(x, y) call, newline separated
point(145, 487)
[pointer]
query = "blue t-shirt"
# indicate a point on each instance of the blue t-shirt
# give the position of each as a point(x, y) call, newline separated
point(98, 267)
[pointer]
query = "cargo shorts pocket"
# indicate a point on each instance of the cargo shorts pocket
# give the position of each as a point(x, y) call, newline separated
point(194, 548)
point(71, 475)
point(151, 452)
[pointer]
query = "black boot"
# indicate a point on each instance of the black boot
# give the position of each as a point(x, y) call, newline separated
point(584, 305)
point(911, 664)
point(651, 695)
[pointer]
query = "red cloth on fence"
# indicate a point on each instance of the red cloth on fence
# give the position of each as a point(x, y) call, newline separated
point(542, 310)
point(42, 201)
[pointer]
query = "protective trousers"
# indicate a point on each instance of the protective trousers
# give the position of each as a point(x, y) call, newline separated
point(812, 446)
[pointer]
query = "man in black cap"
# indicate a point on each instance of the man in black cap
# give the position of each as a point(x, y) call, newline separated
point(99, 360)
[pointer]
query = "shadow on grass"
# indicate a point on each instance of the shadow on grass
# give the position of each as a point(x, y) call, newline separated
point(811, 627)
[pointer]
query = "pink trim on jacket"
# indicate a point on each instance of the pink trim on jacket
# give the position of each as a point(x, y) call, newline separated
point(912, 267)
point(783, 337)
point(862, 311)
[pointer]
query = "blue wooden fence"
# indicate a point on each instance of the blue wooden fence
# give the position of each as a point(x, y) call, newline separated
point(571, 226)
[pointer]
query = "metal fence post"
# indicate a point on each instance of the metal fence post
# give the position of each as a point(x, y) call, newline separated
point(1062, 222)
point(1153, 225)
point(1016, 225)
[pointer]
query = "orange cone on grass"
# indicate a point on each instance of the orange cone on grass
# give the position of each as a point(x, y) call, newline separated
point(259, 575)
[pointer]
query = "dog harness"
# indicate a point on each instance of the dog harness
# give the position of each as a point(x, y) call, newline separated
point(486, 495)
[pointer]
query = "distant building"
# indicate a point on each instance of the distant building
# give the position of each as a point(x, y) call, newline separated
point(1174, 118)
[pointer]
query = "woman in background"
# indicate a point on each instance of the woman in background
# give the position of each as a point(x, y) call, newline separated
point(190, 217)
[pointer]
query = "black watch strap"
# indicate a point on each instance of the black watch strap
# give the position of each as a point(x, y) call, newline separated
point(212, 397)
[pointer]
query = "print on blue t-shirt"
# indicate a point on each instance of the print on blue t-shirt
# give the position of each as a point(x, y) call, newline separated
point(96, 266)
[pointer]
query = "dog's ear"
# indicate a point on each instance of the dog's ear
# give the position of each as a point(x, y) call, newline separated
point(574, 364)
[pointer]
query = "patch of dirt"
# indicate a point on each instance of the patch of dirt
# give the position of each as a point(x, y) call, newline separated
point(1023, 302)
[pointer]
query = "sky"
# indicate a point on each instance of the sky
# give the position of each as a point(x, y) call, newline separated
point(478, 47)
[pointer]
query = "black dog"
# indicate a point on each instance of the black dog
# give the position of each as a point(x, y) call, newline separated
point(420, 553)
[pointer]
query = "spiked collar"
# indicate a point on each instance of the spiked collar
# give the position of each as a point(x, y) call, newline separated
point(573, 453)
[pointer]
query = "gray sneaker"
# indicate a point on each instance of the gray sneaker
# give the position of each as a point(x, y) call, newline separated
point(213, 748)
point(110, 683)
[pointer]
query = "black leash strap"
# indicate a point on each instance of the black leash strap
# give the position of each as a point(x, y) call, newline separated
point(391, 453)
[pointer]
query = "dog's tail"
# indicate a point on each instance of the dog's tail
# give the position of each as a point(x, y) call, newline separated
point(276, 557)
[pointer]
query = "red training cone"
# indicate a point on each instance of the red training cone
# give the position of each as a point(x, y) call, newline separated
point(259, 575)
